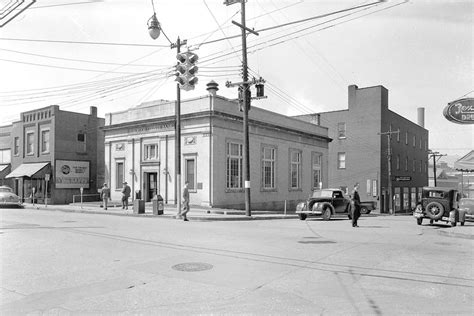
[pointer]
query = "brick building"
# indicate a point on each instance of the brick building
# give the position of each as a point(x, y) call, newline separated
point(361, 149)
point(140, 149)
point(54, 153)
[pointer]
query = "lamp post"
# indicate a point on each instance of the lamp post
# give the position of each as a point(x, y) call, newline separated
point(154, 29)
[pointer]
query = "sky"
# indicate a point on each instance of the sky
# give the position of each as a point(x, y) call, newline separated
point(80, 53)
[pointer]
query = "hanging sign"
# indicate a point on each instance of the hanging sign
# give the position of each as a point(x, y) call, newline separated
point(460, 111)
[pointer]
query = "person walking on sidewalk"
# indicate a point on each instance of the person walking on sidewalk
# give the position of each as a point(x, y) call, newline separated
point(355, 205)
point(125, 195)
point(105, 195)
point(185, 202)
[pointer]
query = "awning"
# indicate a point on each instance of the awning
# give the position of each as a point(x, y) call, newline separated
point(466, 163)
point(4, 170)
point(30, 170)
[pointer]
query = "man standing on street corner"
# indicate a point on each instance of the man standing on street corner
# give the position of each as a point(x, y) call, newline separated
point(105, 194)
point(185, 201)
point(125, 195)
point(355, 205)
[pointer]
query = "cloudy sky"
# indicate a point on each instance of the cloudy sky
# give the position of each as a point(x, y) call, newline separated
point(81, 53)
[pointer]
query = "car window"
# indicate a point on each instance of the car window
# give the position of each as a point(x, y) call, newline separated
point(337, 195)
point(437, 194)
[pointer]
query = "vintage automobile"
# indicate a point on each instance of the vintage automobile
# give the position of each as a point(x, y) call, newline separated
point(438, 204)
point(8, 198)
point(466, 209)
point(324, 203)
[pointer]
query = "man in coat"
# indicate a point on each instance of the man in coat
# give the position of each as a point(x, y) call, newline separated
point(125, 195)
point(355, 205)
point(105, 195)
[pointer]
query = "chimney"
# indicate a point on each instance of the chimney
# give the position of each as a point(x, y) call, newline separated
point(93, 111)
point(352, 95)
point(421, 117)
point(212, 87)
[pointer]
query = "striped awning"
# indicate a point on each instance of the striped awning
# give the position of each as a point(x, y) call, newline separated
point(30, 170)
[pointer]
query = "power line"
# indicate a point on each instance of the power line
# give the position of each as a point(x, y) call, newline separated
point(79, 42)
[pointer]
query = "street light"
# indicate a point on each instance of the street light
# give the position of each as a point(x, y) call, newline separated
point(154, 27)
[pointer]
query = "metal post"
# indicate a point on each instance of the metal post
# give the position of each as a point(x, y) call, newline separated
point(389, 167)
point(434, 169)
point(178, 141)
point(246, 104)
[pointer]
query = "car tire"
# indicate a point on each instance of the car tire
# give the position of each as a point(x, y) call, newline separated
point(434, 210)
point(302, 216)
point(419, 221)
point(364, 210)
point(326, 214)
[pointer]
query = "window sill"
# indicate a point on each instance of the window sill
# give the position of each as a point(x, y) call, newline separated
point(234, 190)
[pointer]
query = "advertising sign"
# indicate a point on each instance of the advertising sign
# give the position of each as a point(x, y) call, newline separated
point(460, 111)
point(72, 174)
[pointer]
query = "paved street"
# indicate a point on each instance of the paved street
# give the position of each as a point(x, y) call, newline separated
point(80, 263)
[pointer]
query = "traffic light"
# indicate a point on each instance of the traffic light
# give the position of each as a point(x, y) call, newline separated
point(186, 70)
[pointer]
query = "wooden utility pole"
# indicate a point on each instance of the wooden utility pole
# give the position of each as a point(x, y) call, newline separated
point(389, 168)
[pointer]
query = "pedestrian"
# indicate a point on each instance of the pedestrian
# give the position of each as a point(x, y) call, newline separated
point(105, 195)
point(355, 205)
point(185, 202)
point(125, 195)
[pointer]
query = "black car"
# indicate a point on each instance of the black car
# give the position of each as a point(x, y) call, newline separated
point(438, 204)
point(324, 203)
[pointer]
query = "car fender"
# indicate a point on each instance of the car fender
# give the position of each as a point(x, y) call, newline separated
point(322, 205)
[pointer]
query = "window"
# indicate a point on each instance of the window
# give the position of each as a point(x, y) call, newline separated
point(268, 167)
point(119, 176)
point(150, 152)
point(414, 165)
point(316, 167)
point(295, 169)
point(406, 138)
point(16, 146)
point(406, 163)
point(398, 162)
point(5, 156)
point(414, 140)
point(341, 160)
point(421, 166)
point(45, 141)
point(81, 137)
point(398, 135)
point(190, 172)
point(234, 166)
point(420, 142)
point(30, 138)
point(341, 130)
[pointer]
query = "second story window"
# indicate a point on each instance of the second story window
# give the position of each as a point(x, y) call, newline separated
point(16, 146)
point(45, 141)
point(150, 152)
point(341, 130)
point(30, 142)
point(341, 160)
point(398, 162)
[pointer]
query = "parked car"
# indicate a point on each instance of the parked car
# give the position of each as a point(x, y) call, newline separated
point(324, 203)
point(466, 209)
point(367, 206)
point(8, 198)
point(438, 204)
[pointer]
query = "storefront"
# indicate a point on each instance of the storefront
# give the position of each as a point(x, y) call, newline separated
point(30, 181)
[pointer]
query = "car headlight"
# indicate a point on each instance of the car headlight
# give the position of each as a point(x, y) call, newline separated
point(300, 207)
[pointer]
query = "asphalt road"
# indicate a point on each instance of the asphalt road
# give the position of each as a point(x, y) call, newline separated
point(75, 263)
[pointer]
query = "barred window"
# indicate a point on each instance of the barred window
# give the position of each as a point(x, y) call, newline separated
point(268, 168)
point(234, 166)
point(295, 169)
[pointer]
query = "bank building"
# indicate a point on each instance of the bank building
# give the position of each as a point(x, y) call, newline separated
point(288, 157)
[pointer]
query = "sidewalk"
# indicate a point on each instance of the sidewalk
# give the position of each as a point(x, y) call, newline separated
point(197, 213)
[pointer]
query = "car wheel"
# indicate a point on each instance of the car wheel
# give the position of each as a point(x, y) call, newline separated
point(326, 214)
point(302, 216)
point(419, 221)
point(434, 210)
point(363, 210)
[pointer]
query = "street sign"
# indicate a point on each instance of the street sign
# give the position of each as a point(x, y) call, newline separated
point(402, 178)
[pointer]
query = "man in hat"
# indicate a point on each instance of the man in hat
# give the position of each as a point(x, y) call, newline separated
point(105, 195)
point(355, 205)
point(185, 201)
point(125, 195)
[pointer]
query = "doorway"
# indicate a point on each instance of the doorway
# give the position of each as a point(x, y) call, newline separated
point(151, 185)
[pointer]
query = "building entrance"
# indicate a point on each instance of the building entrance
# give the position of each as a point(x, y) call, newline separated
point(151, 185)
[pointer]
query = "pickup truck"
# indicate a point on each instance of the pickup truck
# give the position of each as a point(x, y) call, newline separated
point(367, 206)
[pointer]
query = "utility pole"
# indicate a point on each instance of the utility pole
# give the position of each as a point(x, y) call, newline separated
point(389, 167)
point(245, 84)
point(434, 155)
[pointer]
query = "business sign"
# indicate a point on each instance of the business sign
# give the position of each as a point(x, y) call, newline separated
point(72, 174)
point(402, 178)
point(460, 111)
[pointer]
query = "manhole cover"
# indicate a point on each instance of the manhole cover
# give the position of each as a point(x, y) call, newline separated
point(192, 266)
point(316, 242)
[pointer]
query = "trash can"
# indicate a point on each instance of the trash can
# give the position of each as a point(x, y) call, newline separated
point(158, 205)
point(138, 206)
